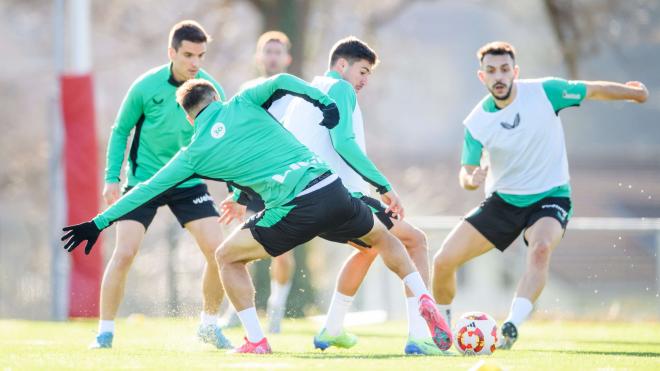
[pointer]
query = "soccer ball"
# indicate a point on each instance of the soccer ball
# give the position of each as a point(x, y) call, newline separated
point(475, 333)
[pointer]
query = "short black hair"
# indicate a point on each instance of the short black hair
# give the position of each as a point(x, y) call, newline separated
point(496, 48)
point(352, 49)
point(187, 30)
point(196, 92)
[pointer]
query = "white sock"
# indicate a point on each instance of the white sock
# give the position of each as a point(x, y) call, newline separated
point(445, 310)
point(334, 321)
point(208, 319)
point(278, 295)
point(417, 328)
point(251, 324)
point(106, 326)
point(520, 310)
point(415, 283)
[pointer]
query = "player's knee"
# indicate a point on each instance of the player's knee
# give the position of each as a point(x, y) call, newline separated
point(209, 247)
point(418, 241)
point(221, 256)
point(541, 251)
point(443, 261)
point(123, 256)
point(368, 253)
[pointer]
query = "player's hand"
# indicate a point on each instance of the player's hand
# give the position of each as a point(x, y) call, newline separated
point(76, 234)
point(330, 116)
point(111, 193)
point(643, 92)
point(478, 176)
point(231, 210)
point(393, 202)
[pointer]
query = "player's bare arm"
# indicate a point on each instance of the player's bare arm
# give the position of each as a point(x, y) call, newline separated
point(605, 90)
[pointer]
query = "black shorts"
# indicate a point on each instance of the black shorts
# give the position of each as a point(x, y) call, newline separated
point(187, 204)
point(378, 209)
point(501, 223)
point(330, 213)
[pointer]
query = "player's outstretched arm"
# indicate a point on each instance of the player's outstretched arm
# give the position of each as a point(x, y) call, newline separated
point(278, 86)
point(175, 172)
point(606, 90)
point(472, 177)
point(344, 142)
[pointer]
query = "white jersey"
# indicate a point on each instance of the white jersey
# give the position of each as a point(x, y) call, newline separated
point(302, 120)
point(524, 142)
point(278, 108)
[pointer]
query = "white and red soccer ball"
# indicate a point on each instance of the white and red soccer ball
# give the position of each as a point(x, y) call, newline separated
point(475, 333)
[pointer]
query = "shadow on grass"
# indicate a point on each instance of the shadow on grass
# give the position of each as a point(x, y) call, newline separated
point(319, 355)
point(598, 352)
point(619, 342)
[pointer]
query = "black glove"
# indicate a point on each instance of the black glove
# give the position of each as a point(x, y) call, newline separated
point(330, 116)
point(78, 233)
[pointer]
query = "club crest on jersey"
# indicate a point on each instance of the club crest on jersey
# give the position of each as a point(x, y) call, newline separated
point(516, 122)
point(218, 130)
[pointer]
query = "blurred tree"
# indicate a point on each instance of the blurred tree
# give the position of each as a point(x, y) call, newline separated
point(563, 22)
point(583, 26)
point(381, 13)
point(290, 17)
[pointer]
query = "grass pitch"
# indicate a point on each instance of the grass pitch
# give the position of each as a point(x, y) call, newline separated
point(170, 344)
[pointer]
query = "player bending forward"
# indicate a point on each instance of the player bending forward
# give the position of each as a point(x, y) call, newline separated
point(240, 143)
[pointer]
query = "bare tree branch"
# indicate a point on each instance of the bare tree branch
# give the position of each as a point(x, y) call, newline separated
point(563, 20)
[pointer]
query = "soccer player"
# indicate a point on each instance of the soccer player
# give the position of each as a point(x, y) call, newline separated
point(272, 58)
point(159, 130)
point(343, 147)
point(525, 179)
point(240, 143)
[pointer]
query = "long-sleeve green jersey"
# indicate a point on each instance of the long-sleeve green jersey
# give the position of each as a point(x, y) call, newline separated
point(239, 142)
point(160, 124)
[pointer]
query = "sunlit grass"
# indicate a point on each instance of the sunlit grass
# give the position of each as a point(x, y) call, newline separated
point(170, 344)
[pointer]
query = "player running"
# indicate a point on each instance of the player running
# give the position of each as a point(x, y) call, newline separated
point(272, 58)
point(525, 175)
point(343, 147)
point(159, 130)
point(240, 143)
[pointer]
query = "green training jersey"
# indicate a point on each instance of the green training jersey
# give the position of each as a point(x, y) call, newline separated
point(160, 125)
point(525, 140)
point(240, 143)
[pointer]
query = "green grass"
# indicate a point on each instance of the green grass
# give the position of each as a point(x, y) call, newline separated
point(170, 344)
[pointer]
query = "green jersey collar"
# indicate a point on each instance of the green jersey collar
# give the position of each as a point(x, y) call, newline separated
point(206, 112)
point(333, 74)
point(172, 80)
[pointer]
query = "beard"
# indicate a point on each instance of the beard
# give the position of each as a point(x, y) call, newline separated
point(503, 97)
